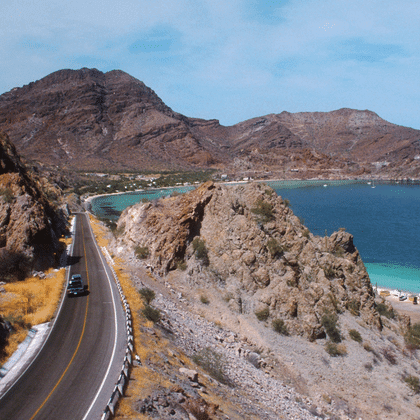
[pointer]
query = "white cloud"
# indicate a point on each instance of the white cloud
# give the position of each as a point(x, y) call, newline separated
point(254, 55)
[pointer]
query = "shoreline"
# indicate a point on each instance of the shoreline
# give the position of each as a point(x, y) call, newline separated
point(405, 307)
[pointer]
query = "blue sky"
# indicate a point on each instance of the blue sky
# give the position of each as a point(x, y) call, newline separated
point(229, 59)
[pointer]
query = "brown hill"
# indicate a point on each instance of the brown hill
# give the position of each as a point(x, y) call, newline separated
point(29, 224)
point(358, 135)
point(86, 119)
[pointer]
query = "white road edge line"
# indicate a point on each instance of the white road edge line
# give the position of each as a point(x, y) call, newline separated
point(115, 320)
point(55, 319)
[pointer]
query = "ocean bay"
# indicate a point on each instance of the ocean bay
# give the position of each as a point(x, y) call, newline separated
point(383, 220)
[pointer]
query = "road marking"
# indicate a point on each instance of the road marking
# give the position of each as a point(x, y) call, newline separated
point(55, 318)
point(80, 340)
point(115, 321)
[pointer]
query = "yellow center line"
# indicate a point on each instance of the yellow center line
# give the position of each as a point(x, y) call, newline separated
point(81, 337)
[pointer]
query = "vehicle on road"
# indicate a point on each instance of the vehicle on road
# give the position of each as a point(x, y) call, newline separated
point(76, 286)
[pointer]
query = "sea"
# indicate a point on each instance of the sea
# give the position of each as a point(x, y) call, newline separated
point(383, 217)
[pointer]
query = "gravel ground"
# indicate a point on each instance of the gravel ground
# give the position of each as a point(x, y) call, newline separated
point(289, 377)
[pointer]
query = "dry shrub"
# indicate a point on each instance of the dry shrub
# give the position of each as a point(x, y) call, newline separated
point(413, 382)
point(263, 210)
point(334, 349)
point(198, 409)
point(263, 314)
point(280, 327)
point(355, 335)
point(329, 322)
point(30, 302)
point(214, 364)
point(412, 337)
point(389, 355)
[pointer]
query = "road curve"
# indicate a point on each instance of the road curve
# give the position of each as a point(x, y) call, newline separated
point(75, 372)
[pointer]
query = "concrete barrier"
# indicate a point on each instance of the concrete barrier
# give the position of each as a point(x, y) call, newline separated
point(118, 392)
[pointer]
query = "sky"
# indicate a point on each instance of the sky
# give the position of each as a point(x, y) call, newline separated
point(229, 59)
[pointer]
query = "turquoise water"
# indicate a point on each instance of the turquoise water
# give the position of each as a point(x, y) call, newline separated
point(111, 206)
point(384, 221)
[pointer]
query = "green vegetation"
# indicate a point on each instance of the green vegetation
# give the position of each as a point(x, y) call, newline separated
point(413, 382)
point(200, 250)
point(111, 182)
point(263, 210)
point(385, 311)
point(263, 314)
point(7, 195)
point(329, 322)
point(147, 294)
point(280, 327)
point(335, 350)
point(335, 302)
point(412, 337)
point(204, 299)
point(142, 252)
point(181, 265)
point(353, 306)
point(151, 314)
point(274, 248)
point(355, 335)
point(213, 363)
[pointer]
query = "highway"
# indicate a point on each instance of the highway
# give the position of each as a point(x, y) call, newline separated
point(74, 374)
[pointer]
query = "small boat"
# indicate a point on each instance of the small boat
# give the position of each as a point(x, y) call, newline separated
point(325, 185)
point(369, 183)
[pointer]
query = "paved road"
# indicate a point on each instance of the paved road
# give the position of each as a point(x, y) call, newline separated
point(86, 345)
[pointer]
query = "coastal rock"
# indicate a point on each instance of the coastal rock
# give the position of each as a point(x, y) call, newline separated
point(258, 251)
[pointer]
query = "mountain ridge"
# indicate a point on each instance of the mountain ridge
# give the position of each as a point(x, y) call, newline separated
point(87, 119)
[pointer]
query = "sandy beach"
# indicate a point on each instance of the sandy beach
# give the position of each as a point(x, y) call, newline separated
point(405, 307)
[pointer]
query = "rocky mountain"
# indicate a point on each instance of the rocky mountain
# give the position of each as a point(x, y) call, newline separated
point(259, 252)
point(30, 224)
point(290, 318)
point(86, 119)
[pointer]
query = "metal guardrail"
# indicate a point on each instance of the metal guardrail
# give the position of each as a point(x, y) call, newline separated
point(118, 391)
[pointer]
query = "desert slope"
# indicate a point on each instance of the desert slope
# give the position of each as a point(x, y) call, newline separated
point(245, 278)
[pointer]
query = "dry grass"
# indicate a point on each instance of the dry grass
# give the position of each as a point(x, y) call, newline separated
point(152, 349)
point(30, 302)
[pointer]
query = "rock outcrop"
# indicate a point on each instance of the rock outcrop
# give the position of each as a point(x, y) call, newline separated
point(29, 224)
point(247, 241)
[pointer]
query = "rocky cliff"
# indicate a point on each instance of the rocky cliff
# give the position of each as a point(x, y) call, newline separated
point(86, 119)
point(29, 223)
point(291, 318)
point(247, 242)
